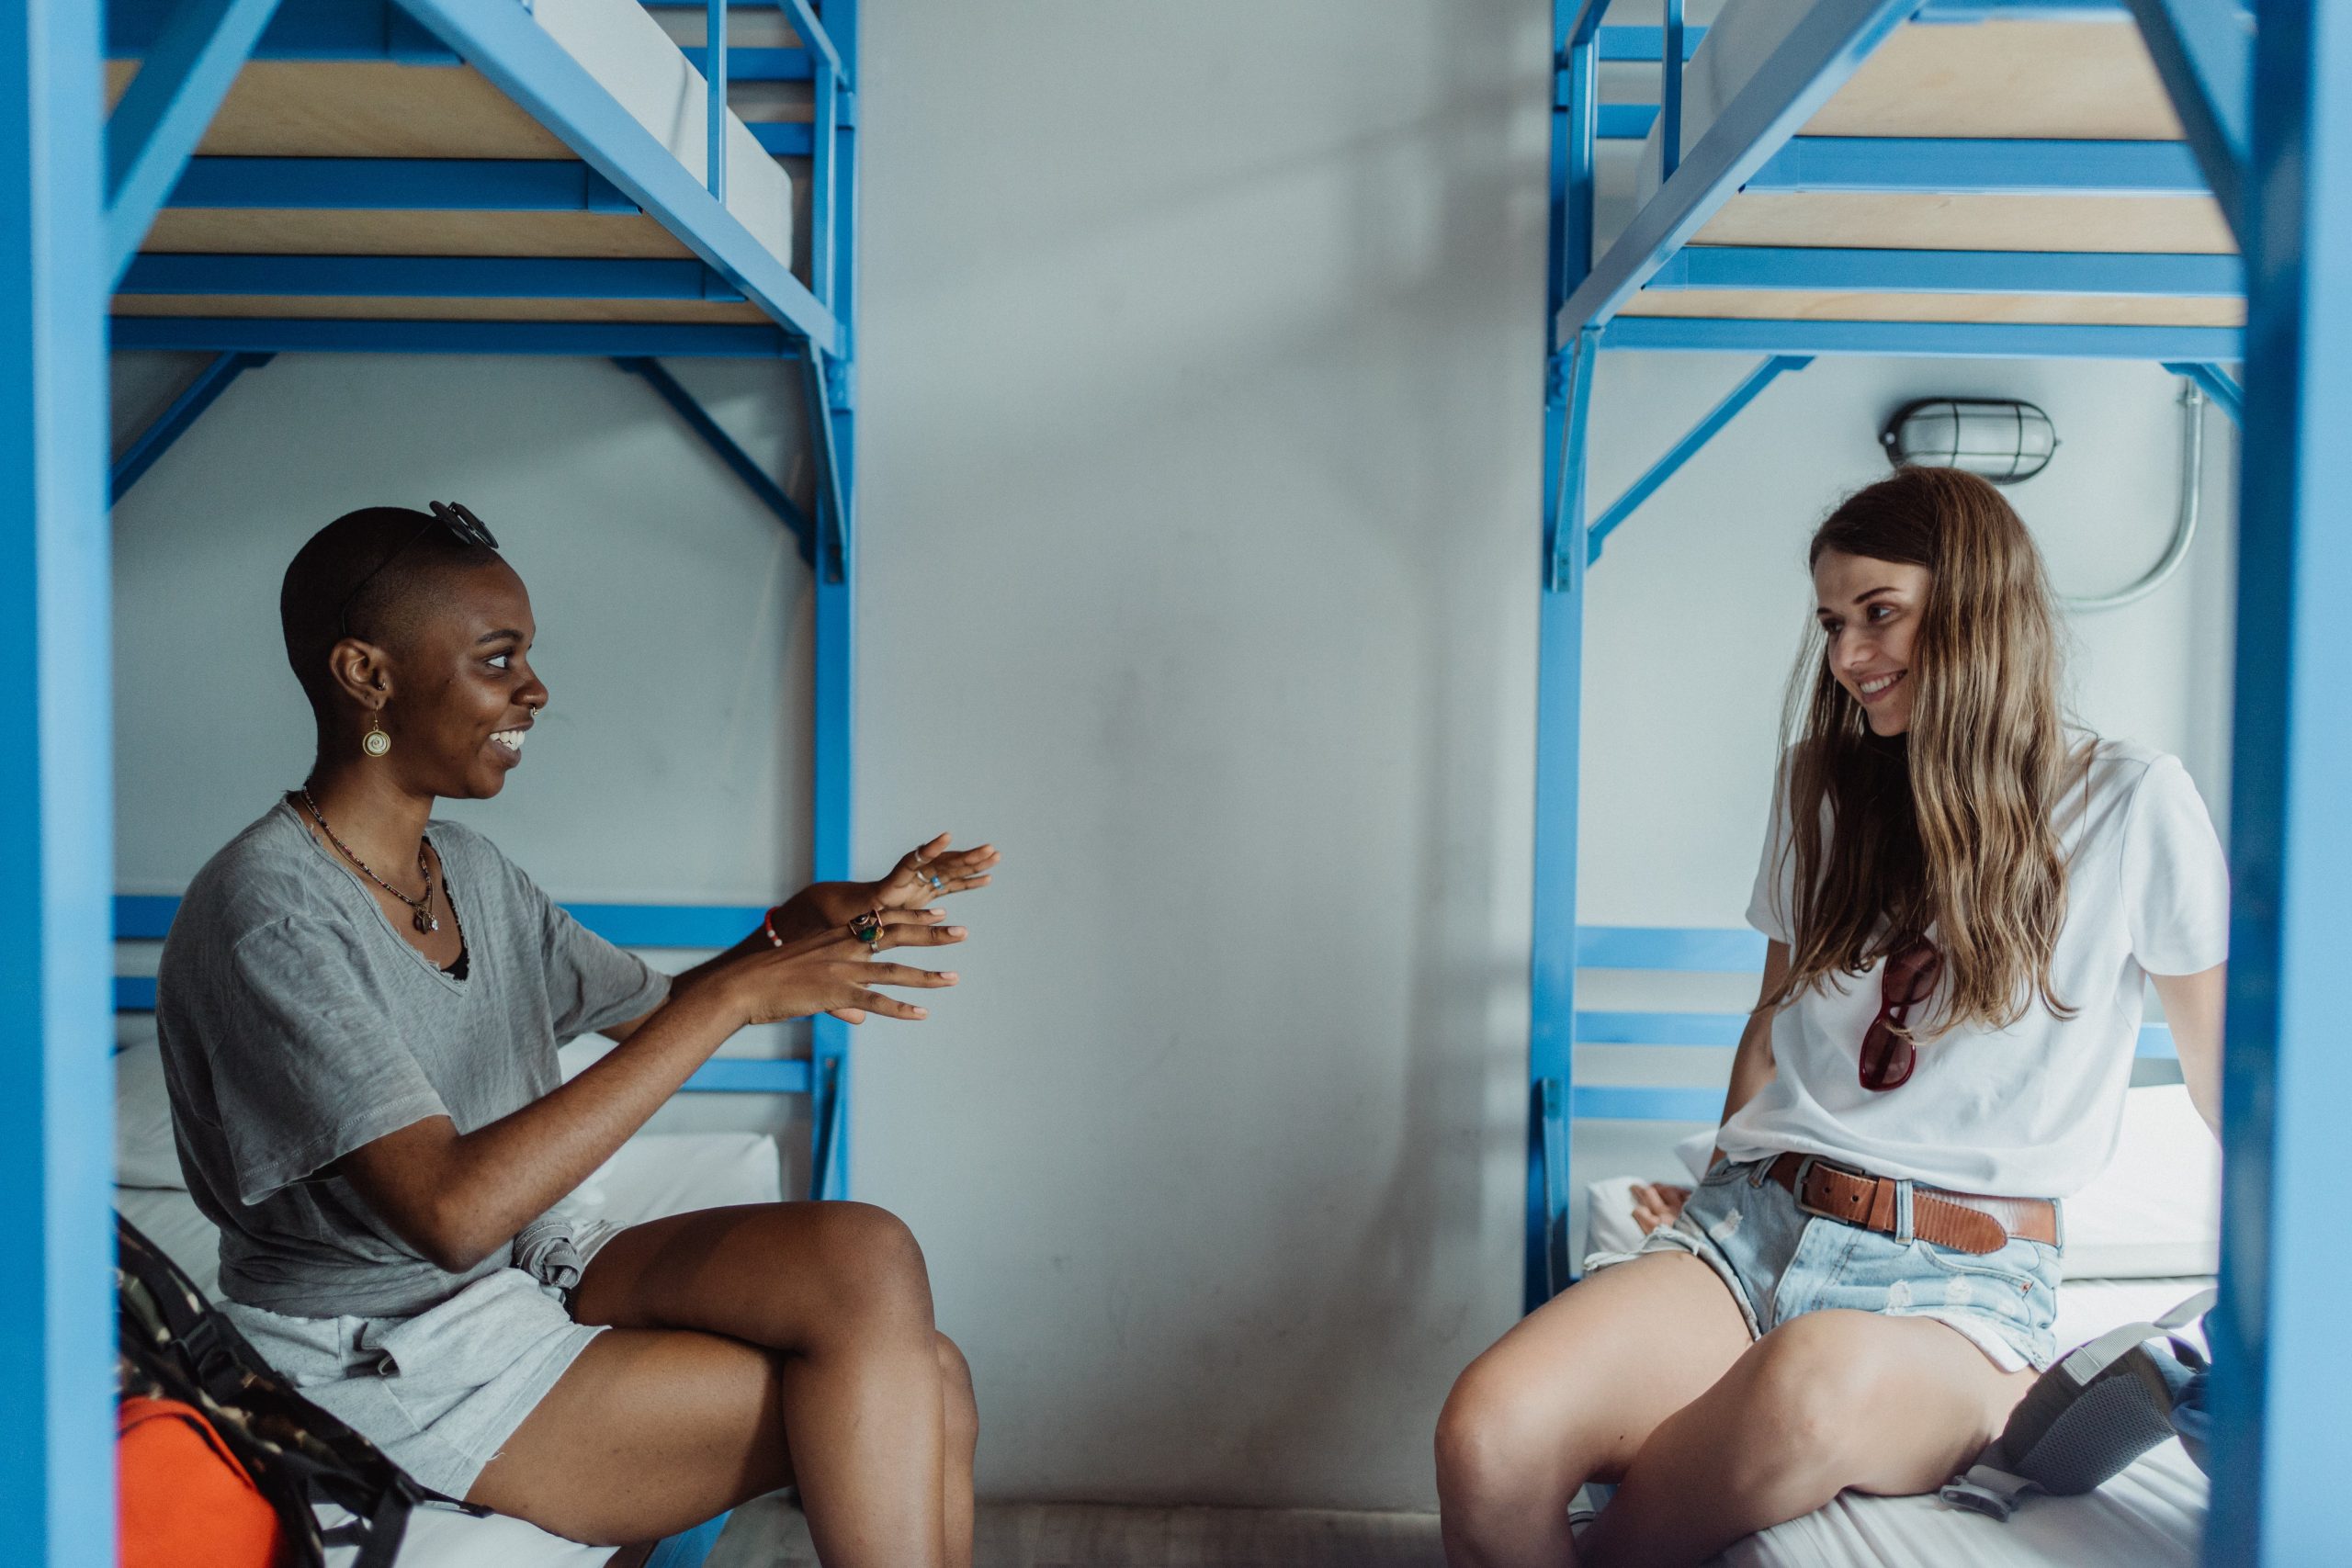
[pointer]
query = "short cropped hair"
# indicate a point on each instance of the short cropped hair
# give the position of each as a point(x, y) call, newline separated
point(393, 556)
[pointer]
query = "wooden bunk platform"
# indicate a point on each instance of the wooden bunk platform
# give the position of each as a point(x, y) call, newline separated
point(299, 109)
point(2046, 86)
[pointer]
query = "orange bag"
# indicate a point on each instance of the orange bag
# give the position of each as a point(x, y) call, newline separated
point(182, 1499)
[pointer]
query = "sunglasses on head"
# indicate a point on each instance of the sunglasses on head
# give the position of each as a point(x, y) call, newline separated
point(1904, 980)
point(460, 523)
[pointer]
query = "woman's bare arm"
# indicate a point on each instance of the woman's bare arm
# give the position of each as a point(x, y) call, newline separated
point(458, 1197)
point(1656, 1204)
point(1751, 1065)
point(2193, 1007)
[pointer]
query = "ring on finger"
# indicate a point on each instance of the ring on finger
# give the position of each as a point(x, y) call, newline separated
point(867, 928)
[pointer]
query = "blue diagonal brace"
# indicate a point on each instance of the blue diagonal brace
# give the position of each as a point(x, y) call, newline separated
point(175, 421)
point(2204, 52)
point(2215, 383)
point(154, 130)
point(1682, 451)
point(755, 478)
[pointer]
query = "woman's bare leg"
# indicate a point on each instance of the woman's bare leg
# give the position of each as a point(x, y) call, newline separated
point(832, 1302)
point(1569, 1395)
point(648, 1433)
point(1825, 1402)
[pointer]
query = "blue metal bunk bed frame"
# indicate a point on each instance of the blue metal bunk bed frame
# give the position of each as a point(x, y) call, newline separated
point(2268, 116)
point(78, 205)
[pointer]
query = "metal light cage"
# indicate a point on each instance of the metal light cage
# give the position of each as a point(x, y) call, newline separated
point(2002, 439)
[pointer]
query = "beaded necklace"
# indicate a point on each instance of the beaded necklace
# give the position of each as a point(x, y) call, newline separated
point(420, 909)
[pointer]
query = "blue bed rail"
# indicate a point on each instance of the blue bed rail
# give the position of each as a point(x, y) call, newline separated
point(693, 927)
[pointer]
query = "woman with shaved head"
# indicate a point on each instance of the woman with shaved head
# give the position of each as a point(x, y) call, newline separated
point(359, 1006)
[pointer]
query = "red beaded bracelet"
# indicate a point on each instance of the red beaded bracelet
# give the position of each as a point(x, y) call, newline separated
point(767, 928)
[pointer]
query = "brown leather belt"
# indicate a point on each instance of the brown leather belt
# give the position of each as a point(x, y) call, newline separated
point(1965, 1221)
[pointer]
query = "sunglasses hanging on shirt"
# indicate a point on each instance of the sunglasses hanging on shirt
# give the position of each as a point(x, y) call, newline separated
point(1906, 979)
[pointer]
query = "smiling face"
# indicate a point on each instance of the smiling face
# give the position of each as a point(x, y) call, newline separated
point(463, 691)
point(1870, 611)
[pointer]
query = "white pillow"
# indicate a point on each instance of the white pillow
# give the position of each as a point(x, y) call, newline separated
point(2154, 1214)
point(144, 1153)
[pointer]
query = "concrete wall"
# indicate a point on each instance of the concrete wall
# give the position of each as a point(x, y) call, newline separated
point(1200, 434)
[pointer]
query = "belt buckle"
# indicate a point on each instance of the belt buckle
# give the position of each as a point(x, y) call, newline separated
point(1805, 1169)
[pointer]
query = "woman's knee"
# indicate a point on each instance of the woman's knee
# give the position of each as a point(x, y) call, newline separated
point(1495, 1439)
point(871, 1261)
point(1804, 1395)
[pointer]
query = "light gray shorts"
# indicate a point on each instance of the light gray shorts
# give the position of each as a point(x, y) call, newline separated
point(441, 1391)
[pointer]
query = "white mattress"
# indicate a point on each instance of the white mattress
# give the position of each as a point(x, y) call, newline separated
point(625, 49)
point(2150, 1516)
point(651, 1176)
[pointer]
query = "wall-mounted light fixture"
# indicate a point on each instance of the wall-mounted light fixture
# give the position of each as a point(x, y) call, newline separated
point(2002, 439)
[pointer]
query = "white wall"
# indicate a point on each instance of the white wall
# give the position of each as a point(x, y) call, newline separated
point(1200, 442)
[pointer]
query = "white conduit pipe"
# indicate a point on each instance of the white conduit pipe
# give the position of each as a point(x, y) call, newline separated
point(2192, 487)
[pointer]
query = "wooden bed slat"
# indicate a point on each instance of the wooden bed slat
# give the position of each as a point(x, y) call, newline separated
point(2067, 80)
point(342, 307)
point(1874, 220)
point(364, 109)
point(1823, 305)
point(267, 232)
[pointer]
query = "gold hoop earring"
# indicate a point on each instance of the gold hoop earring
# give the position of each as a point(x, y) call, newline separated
point(376, 742)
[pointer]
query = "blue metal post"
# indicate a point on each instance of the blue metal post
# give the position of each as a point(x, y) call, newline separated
point(1552, 969)
point(829, 386)
point(823, 170)
point(714, 97)
point(56, 1093)
point(1682, 451)
point(1575, 126)
point(1669, 141)
point(1559, 699)
point(2281, 1442)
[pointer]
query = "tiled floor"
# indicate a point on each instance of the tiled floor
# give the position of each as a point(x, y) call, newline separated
point(770, 1534)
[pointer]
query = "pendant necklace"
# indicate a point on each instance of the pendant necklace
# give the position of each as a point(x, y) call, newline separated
point(420, 909)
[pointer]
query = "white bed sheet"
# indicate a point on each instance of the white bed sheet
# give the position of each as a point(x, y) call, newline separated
point(625, 49)
point(651, 1176)
point(2150, 1516)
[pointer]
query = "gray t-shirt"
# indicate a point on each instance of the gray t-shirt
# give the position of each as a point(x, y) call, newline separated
point(296, 1025)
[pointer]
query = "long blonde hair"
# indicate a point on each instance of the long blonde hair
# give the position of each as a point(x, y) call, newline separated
point(1952, 825)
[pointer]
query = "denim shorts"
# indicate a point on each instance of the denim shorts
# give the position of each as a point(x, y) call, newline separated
point(1781, 1262)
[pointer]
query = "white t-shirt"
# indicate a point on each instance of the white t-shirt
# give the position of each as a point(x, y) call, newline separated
point(2030, 1111)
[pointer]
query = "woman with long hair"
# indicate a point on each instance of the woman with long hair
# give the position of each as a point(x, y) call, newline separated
point(360, 1005)
point(1964, 899)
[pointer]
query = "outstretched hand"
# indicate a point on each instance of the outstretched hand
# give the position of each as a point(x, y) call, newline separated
point(834, 972)
point(933, 871)
point(927, 872)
